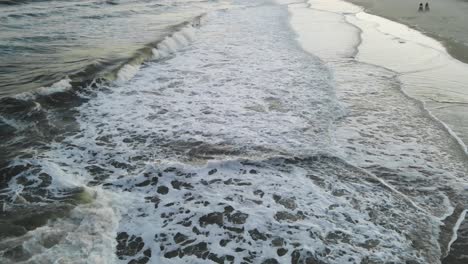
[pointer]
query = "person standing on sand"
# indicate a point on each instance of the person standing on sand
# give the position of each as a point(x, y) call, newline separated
point(426, 8)
point(420, 7)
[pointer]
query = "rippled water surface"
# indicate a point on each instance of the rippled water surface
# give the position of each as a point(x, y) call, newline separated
point(43, 42)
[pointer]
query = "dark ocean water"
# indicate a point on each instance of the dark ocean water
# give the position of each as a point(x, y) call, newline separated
point(51, 49)
point(43, 42)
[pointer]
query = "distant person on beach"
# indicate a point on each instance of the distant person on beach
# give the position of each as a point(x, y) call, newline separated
point(421, 8)
point(426, 8)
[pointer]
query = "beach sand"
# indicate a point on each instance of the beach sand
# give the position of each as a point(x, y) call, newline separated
point(446, 21)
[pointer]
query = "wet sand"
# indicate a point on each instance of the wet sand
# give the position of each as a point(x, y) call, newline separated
point(430, 76)
point(446, 21)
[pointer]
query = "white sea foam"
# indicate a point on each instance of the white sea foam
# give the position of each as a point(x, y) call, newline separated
point(60, 86)
point(127, 72)
point(169, 45)
point(456, 227)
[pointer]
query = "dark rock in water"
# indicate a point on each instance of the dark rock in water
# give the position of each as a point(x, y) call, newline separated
point(179, 238)
point(178, 184)
point(197, 249)
point(185, 222)
point(338, 236)
point(128, 246)
point(147, 253)
point(98, 173)
point(141, 260)
point(304, 257)
point(289, 203)
point(121, 238)
point(259, 193)
point(213, 257)
point(256, 235)
point(170, 169)
point(195, 230)
point(120, 165)
point(287, 216)
point(143, 183)
point(253, 171)
point(229, 181)
point(163, 190)
point(228, 209)
point(295, 256)
point(154, 181)
point(238, 218)
point(224, 242)
point(211, 219)
point(172, 254)
point(277, 242)
point(270, 261)
point(214, 181)
point(153, 199)
point(281, 251)
point(213, 171)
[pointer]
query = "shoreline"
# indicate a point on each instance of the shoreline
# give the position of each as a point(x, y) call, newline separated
point(454, 48)
point(364, 53)
point(422, 79)
point(405, 72)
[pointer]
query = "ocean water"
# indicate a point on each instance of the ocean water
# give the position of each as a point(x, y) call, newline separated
point(45, 42)
point(248, 136)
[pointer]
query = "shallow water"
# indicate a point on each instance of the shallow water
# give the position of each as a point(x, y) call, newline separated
point(372, 90)
point(236, 143)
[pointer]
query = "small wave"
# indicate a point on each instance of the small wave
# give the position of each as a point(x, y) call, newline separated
point(127, 72)
point(168, 46)
point(58, 87)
